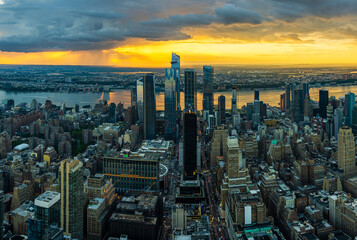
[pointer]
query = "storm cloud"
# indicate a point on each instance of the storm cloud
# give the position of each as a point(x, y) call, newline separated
point(78, 25)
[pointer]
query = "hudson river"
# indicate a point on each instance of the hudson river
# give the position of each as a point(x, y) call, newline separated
point(270, 96)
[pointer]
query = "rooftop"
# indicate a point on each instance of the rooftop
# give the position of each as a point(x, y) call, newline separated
point(47, 199)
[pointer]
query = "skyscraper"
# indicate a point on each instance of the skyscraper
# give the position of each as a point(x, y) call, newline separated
point(149, 107)
point(350, 100)
point(323, 102)
point(221, 110)
point(140, 100)
point(234, 100)
point(287, 96)
point(207, 88)
point(354, 120)
point(190, 144)
point(190, 89)
point(175, 64)
point(298, 105)
point(346, 150)
point(256, 94)
point(306, 89)
point(170, 103)
point(71, 190)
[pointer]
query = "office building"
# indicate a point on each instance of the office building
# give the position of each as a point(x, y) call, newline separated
point(47, 216)
point(72, 197)
point(149, 107)
point(175, 64)
point(207, 87)
point(298, 105)
point(346, 151)
point(234, 100)
point(190, 144)
point(137, 216)
point(132, 171)
point(250, 110)
point(140, 100)
point(323, 102)
point(97, 215)
point(190, 89)
point(256, 94)
point(218, 145)
point(306, 90)
point(170, 104)
point(350, 100)
point(221, 110)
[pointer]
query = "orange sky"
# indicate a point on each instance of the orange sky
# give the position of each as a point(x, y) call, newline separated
point(141, 53)
point(131, 33)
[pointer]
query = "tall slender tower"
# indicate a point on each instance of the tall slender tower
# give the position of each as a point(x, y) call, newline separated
point(72, 197)
point(170, 103)
point(140, 99)
point(190, 89)
point(208, 73)
point(346, 150)
point(1, 213)
point(149, 107)
point(234, 100)
point(175, 64)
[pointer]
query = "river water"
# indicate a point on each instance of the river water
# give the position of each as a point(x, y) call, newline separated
point(270, 96)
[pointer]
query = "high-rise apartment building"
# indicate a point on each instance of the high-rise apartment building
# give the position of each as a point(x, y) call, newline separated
point(298, 105)
point(346, 150)
point(190, 144)
point(170, 103)
point(175, 64)
point(72, 190)
point(149, 107)
point(207, 87)
point(350, 100)
point(190, 89)
point(218, 145)
point(323, 102)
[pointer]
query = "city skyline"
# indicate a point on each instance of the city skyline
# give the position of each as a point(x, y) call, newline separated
point(129, 34)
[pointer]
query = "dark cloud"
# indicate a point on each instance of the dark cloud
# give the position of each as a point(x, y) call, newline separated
point(52, 25)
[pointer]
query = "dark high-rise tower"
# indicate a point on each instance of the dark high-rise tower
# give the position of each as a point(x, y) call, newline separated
point(170, 103)
point(190, 144)
point(256, 95)
point(207, 88)
point(323, 102)
point(287, 97)
point(1, 213)
point(306, 89)
point(149, 107)
point(298, 105)
point(350, 100)
point(221, 110)
point(190, 89)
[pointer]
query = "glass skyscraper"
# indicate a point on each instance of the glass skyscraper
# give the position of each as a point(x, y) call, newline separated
point(175, 64)
point(149, 107)
point(207, 88)
point(170, 103)
point(234, 100)
point(190, 89)
point(350, 100)
point(140, 99)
